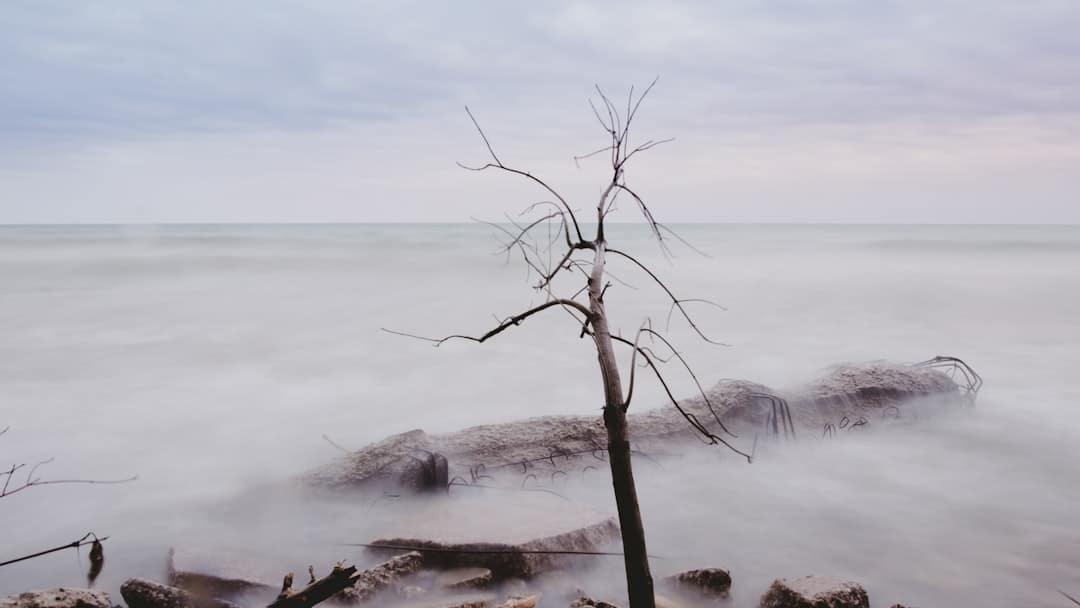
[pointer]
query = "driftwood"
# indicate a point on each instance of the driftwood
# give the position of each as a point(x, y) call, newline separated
point(347, 583)
point(316, 591)
point(141, 593)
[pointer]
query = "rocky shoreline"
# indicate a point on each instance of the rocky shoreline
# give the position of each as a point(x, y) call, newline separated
point(535, 561)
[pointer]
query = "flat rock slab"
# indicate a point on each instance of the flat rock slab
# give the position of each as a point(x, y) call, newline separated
point(58, 598)
point(512, 537)
point(815, 592)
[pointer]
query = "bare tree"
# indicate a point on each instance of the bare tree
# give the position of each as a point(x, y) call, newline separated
point(589, 256)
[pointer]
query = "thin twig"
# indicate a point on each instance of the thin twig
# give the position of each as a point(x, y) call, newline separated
point(72, 545)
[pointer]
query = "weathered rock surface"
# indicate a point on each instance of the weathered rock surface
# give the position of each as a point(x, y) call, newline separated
point(142, 593)
point(382, 577)
point(543, 446)
point(815, 592)
point(405, 461)
point(706, 581)
point(58, 598)
point(506, 536)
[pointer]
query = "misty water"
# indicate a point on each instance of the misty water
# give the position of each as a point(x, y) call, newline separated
point(210, 360)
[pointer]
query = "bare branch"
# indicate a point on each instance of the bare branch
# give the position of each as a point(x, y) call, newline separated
point(683, 241)
point(677, 302)
point(39, 482)
point(709, 437)
point(72, 545)
point(697, 383)
point(501, 327)
point(591, 154)
point(671, 308)
point(498, 164)
point(336, 445)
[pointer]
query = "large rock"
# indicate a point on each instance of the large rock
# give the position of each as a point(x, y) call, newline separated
point(142, 593)
point(815, 592)
point(58, 598)
point(407, 461)
point(705, 581)
point(511, 537)
point(545, 447)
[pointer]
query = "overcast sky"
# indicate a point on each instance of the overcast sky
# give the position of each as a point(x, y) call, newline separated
point(783, 111)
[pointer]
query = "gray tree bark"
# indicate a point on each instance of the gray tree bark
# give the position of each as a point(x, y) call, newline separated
point(639, 580)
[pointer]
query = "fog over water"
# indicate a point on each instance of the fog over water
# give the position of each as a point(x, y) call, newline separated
point(209, 360)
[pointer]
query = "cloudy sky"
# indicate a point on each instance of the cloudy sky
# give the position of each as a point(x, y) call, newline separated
point(782, 111)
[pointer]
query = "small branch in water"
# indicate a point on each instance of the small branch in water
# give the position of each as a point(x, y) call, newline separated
point(72, 545)
point(336, 445)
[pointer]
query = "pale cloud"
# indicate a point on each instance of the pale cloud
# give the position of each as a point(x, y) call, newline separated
point(342, 111)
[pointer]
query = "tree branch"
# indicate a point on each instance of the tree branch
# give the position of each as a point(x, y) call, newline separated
point(501, 327)
point(498, 164)
point(678, 303)
point(72, 545)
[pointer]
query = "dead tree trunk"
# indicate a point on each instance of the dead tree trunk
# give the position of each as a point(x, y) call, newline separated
point(638, 578)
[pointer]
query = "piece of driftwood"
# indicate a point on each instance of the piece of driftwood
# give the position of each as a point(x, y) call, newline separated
point(346, 583)
point(317, 591)
point(141, 593)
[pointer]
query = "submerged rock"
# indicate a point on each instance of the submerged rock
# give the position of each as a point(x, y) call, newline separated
point(707, 581)
point(548, 446)
point(815, 592)
point(58, 598)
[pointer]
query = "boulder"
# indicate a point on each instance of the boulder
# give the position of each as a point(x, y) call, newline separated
point(519, 536)
point(142, 593)
point(403, 462)
point(815, 592)
point(706, 581)
point(58, 598)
